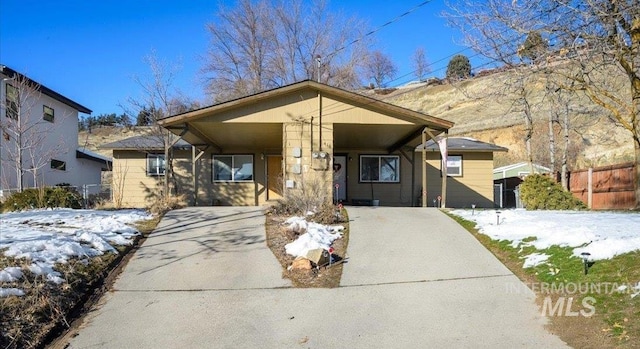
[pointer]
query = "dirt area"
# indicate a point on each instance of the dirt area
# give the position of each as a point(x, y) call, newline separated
point(318, 277)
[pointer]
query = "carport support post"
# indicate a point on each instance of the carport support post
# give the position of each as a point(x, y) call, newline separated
point(424, 167)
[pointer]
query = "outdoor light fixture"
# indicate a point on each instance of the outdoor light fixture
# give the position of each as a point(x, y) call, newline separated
point(473, 209)
point(585, 260)
point(498, 217)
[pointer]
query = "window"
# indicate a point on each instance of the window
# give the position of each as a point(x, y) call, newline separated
point(58, 165)
point(155, 164)
point(234, 168)
point(47, 113)
point(12, 98)
point(374, 168)
point(454, 165)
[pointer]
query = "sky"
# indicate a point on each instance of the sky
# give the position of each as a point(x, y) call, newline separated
point(91, 51)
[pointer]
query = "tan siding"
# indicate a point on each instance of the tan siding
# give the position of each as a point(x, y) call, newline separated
point(475, 186)
point(336, 111)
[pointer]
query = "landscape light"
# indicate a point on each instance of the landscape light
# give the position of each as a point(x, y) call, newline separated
point(498, 217)
point(473, 209)
point(585, 260)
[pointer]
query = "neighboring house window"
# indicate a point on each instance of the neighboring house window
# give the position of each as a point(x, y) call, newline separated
point(454, 165)
point(375, 168)
point(47, 113)
point(155, 164)
point(12, 97)
point(234, 168)
point(58, 165)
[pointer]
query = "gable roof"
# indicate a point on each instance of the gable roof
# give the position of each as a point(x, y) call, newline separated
point(355, 98)
point(146, 142)
point(45, 90)
point(465, 144)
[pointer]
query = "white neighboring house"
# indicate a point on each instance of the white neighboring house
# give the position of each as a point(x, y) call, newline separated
point(46, 124)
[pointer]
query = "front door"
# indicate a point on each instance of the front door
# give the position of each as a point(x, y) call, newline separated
point(340, 178)
point(274, 177)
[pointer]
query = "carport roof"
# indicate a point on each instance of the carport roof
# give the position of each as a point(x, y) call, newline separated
point(179, 124)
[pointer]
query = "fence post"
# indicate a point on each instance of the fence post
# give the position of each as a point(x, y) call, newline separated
point(590, 188)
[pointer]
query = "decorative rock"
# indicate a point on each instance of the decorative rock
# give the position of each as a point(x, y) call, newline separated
point(318, 256)
point(301, 263)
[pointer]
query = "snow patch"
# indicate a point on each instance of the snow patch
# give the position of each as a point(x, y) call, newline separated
point(534, 259)
point(316, 236)
point(6, 292)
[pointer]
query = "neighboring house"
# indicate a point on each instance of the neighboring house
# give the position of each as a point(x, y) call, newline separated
point(469, 172)
point(251, 150)
point(46, 123)
point(507, 178)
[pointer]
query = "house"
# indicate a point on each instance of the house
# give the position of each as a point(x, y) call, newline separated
point(360, 150)
point(45, 124)
point(251, 150)
point(469, 172)
point(507, 178)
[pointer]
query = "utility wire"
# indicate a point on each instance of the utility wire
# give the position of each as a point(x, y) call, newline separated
point(378, 28)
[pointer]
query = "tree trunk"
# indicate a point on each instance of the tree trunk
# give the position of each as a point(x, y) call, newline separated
point(565, 151)
point(636, 181)
point(552, 146)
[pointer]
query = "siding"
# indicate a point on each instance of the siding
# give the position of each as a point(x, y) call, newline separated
point(475, 186)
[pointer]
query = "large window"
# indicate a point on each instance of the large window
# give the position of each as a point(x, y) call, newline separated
point(47, 113)
point(454, 165)
point(375, 168)
point(234, 168)
point(155, 164)
point(58, 165)
point(12, 99)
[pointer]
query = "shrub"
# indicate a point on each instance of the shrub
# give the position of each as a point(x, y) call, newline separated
point(540, 192)
point(163, 204)
point(310, 196)
point(43, 197)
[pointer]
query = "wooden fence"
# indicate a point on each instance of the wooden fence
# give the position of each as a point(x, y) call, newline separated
point(602, 188)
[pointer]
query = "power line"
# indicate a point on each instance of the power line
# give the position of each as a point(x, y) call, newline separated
point(379, 28)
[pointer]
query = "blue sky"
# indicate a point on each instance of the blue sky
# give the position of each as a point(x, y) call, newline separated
point(90, 51)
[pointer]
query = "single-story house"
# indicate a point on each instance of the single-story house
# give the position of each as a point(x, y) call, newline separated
point(253, 149)
point(469, 166)
point(507, 178)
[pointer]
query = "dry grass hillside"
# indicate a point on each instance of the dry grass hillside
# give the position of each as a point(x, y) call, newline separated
point(482, 108)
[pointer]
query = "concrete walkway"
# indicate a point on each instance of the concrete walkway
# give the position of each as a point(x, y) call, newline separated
point(414, 278)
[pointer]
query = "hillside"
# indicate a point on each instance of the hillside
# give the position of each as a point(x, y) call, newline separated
point(482, 109)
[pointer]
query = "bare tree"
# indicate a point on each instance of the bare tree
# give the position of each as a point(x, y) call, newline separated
point(160, 99)
point(421, 66)
point(380, 68)
point(597, 44)
point(29, 146)
point(258, 45)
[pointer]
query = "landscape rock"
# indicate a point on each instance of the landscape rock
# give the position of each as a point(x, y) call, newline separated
point(301, 263)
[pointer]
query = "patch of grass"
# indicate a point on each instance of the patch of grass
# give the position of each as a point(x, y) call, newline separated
point(318, 277)
point(47, 309)
point(614, 323)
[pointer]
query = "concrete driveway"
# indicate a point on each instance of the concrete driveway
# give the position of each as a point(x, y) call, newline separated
point(414, 278)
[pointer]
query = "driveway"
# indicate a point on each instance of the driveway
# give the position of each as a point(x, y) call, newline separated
point(414, 278)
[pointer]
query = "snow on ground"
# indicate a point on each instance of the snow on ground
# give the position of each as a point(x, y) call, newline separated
point(47, 237)
point(316, 236)
point(603, 234)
